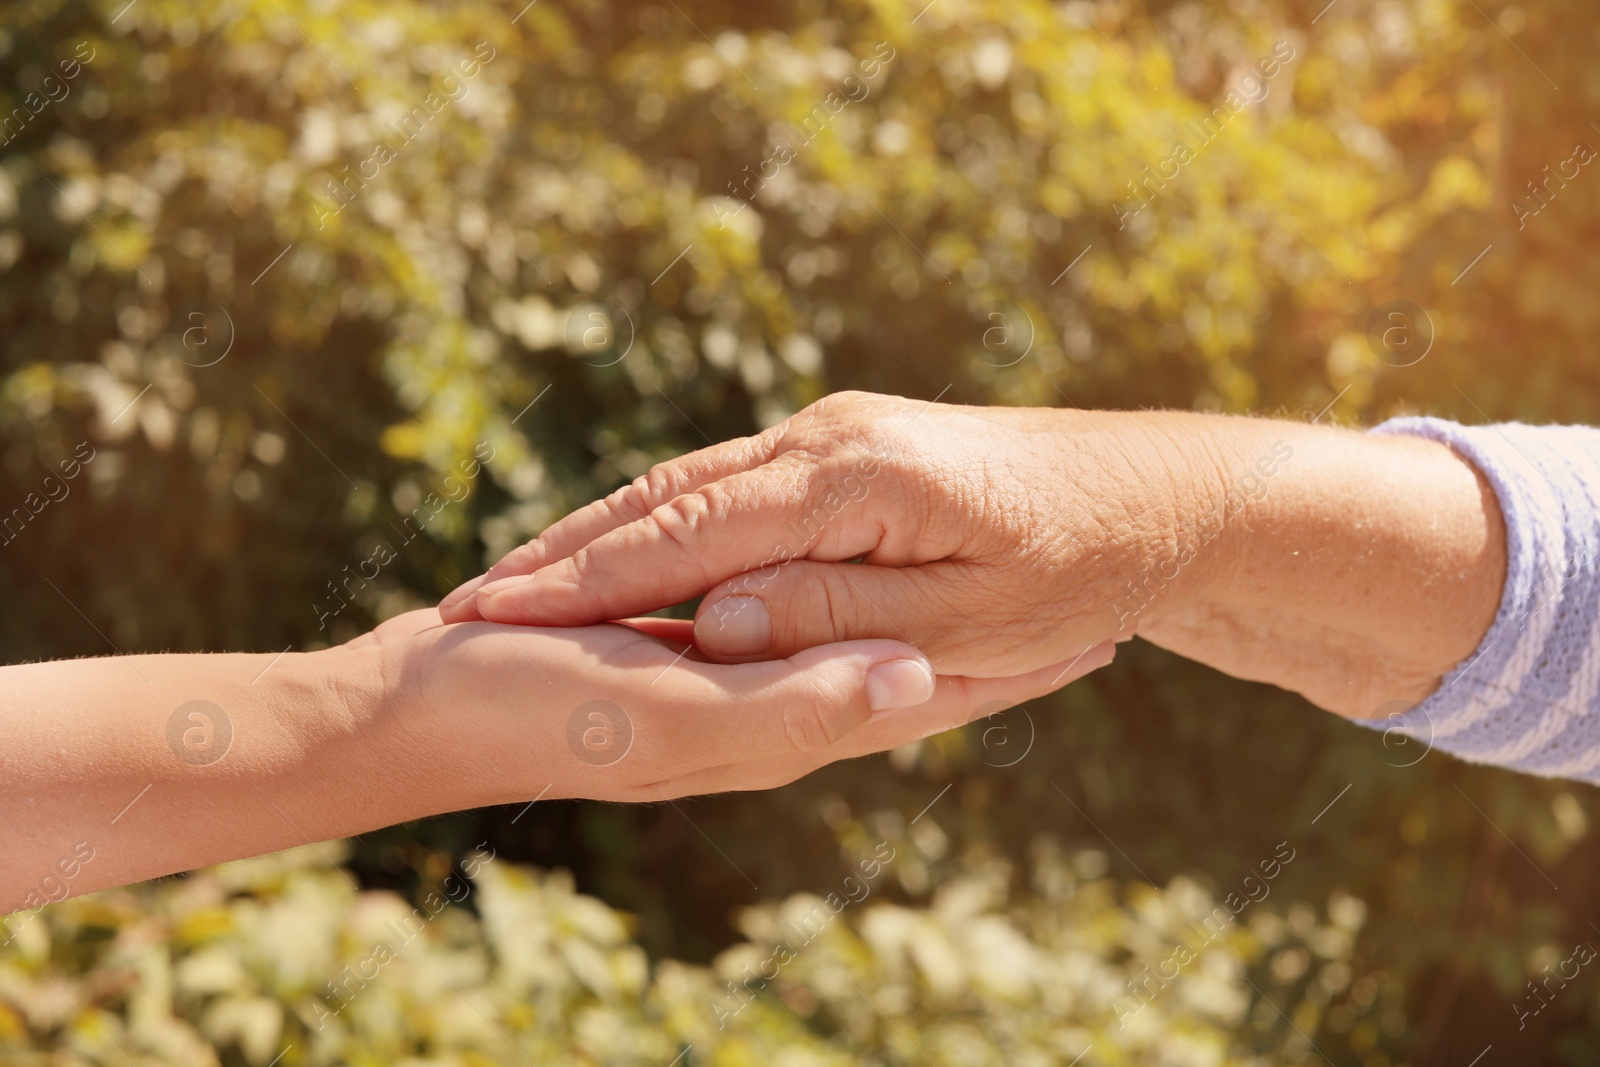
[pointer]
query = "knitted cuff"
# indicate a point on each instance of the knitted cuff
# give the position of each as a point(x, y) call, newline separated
point(1529, 697)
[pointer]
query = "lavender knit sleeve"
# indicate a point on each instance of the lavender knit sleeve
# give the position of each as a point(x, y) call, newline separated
point(1529, 697)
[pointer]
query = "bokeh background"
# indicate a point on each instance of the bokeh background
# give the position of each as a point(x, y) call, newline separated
point(561, 265)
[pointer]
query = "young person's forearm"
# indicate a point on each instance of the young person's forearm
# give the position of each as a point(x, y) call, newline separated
point(127, 768)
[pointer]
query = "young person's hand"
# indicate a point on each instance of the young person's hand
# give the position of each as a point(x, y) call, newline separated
point(632, 712)
point(130, 767)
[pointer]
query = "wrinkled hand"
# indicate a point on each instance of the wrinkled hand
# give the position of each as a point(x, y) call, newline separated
point(997, 541)
point(632, 713)
point(1353, 568)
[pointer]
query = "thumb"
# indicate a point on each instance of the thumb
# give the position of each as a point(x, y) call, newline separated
point(767, 614)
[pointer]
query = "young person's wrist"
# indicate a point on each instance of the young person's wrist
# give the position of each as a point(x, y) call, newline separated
point(467, 711)
point(370, 734)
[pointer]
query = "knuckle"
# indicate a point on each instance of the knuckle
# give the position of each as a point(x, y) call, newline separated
point(657, 484)
point(812, 722)
point(639, 496)
point(683, 518)
point(823, 419)
point(681, 523)
point(834, 603)
point(630, 498)
point(715, 501)
point(883, 442)
point(793, 481)
point(581, 566)
point(766, 446)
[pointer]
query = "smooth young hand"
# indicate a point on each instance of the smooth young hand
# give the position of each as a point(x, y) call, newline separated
point(126, 768)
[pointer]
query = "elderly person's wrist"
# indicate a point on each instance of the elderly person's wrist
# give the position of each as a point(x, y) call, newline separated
point(1369, 566)
point(1176, 489)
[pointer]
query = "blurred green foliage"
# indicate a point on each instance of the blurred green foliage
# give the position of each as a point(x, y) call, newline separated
point(280, 960)
point(554, 261)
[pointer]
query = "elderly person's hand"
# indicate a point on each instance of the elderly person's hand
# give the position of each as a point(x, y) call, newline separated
point(1356, 569)
point(987, 538)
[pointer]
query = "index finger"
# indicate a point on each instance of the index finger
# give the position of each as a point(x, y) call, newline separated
point(752, 521)
point(634, 501)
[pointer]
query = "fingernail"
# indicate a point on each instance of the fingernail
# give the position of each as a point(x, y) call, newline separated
point(735, 626)
point(1098, 656)
point(463, 591)
point(900, 683)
